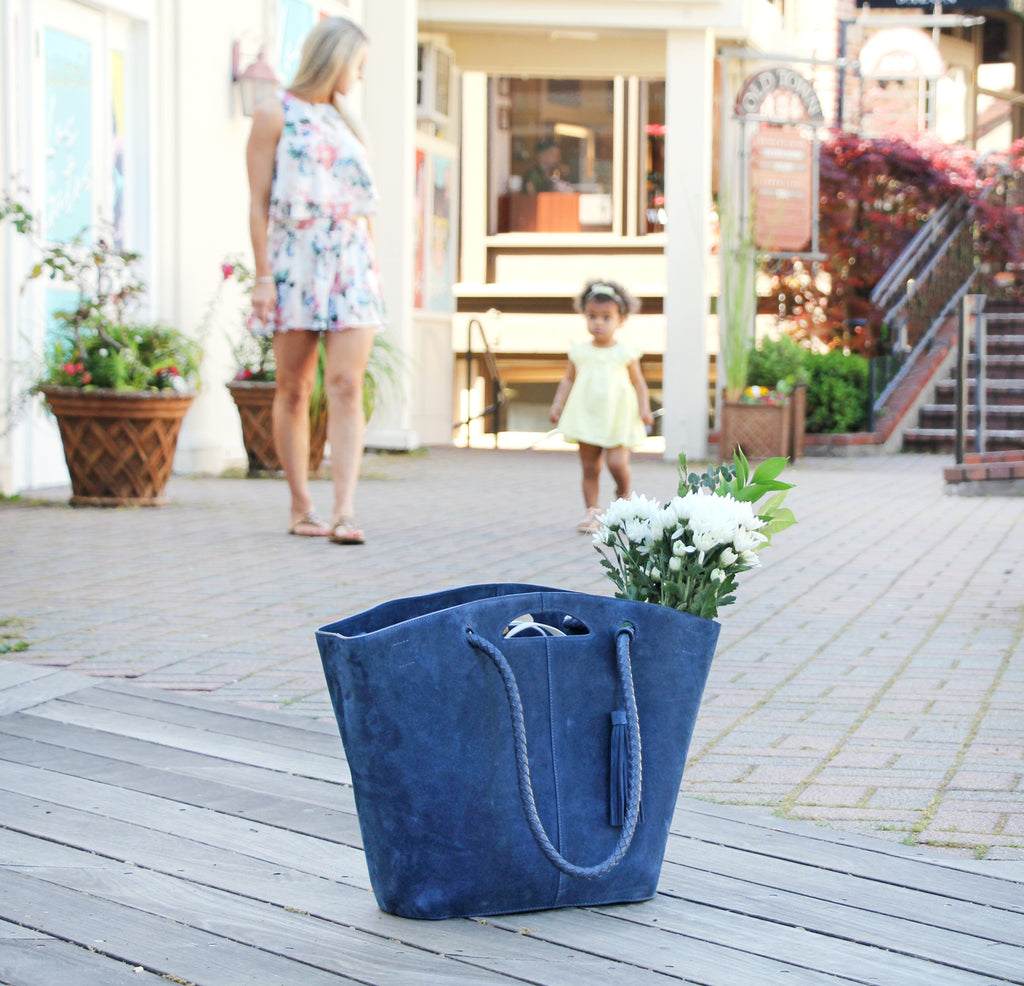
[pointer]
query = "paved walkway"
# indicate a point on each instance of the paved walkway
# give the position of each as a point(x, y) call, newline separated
point(870, 677)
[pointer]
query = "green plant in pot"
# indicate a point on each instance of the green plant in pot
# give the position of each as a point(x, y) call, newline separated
point(119, 386)
point(252, 387)
point(759, 429)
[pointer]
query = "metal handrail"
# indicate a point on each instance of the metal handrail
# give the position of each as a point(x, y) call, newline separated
point(494, 376)
point(933, 279)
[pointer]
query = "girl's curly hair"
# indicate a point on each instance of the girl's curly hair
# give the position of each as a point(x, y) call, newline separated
point(605, 290)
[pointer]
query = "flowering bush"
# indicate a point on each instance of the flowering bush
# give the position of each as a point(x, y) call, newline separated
point(764, 395)
point(687, 553)
point(97, 342)
point(253, 354)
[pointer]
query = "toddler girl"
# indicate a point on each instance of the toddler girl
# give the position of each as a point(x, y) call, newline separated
point(602, 402)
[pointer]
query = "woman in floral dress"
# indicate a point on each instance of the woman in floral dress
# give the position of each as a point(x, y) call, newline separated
point(312, 202)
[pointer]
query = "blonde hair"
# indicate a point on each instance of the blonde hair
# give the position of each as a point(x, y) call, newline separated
point(329, 50)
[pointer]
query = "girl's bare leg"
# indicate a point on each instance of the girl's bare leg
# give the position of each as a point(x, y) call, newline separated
point(590, 461)
point(618, 466)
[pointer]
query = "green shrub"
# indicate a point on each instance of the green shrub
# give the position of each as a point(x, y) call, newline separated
point(777, 361)
point(837, 390)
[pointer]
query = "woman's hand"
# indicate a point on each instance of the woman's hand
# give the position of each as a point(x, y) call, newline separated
point(264, 300)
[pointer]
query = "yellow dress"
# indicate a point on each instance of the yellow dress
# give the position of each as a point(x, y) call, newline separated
point(602, 408)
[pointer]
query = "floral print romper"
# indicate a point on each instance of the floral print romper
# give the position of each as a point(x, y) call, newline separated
point(320, 251)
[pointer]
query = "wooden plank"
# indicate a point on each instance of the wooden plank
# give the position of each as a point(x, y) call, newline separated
point(132, 804)
point(28, 958)
point(296, 721)
point(840, 937)
point(198, 741)
point(162, 946)
point(267, 727)
point(23, 686)
point(174, 818)
point(313, 807)
point(669, 954)
point(336, 903)
point(876, 859)
point(317, 941)
point(471, 942)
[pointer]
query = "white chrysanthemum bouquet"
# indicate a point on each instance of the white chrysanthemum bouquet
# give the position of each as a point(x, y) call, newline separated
point(687, 553)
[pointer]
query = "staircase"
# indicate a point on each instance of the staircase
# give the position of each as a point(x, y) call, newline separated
point(1004, 396)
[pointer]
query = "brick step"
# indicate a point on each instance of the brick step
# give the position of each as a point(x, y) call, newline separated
point(996, 391)
point(1002, 417)
point(988, 467)
point(1005, 345)
point(944, 440)
point(999, 367)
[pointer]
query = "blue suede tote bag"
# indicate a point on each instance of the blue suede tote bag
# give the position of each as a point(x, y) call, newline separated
point(513, 747)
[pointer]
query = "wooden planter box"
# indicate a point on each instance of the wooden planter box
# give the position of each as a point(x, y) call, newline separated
point(762, 431)
point(255, 400)
point(119, 445)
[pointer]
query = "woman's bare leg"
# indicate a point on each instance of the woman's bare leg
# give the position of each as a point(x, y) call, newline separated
point(295, 353)
point(348, 352)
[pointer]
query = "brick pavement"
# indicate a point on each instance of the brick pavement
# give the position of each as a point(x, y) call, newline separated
point(870, 677)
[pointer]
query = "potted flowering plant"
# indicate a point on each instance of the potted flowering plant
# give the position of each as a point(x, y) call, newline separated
point(118, 386)
point(254, 383)
point(687, 553)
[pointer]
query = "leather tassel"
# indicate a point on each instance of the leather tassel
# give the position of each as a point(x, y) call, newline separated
point(618, 771)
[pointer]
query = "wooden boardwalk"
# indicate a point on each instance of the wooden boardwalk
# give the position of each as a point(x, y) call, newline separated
point(148, 837)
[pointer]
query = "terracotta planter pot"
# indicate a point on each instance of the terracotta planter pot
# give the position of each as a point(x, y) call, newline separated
point(255, 400)
point(119, 445)
point(763, 431)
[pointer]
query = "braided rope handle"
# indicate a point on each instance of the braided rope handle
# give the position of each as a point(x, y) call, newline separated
point(623, 635)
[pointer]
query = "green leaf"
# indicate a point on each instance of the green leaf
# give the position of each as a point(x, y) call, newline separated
point(769, 469)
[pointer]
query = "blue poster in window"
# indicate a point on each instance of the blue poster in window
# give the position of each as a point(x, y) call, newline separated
point(68, 122)
point(441, 273)
point(294, 22)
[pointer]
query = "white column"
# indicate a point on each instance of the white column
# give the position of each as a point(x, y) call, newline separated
point(389, 112)
point(688, 109)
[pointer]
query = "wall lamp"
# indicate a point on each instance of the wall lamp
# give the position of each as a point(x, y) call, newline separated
point(255, 83)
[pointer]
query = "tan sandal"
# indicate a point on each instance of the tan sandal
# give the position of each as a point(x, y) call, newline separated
point(346, 532)
point(309, 525)
point(590, 524)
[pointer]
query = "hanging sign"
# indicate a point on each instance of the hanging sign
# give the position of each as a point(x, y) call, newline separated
point(781, 182)
point(772, 83)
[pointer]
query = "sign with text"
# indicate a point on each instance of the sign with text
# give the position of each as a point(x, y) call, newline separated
point(781, 183)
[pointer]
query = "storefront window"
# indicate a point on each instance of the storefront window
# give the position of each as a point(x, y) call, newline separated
point(556, 165)
point(553, 150)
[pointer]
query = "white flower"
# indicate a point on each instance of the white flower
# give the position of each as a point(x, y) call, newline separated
point(750, 558)
point(747, 540)
point(717, 575)
point(679, 549)
point(675, 563)
point(727, 557)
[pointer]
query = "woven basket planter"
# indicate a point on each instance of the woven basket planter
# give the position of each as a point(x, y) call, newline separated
point(119, 445)
point(763, 431)
point(255, 400)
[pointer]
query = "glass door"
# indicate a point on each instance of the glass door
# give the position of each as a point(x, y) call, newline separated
point(86, 175)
